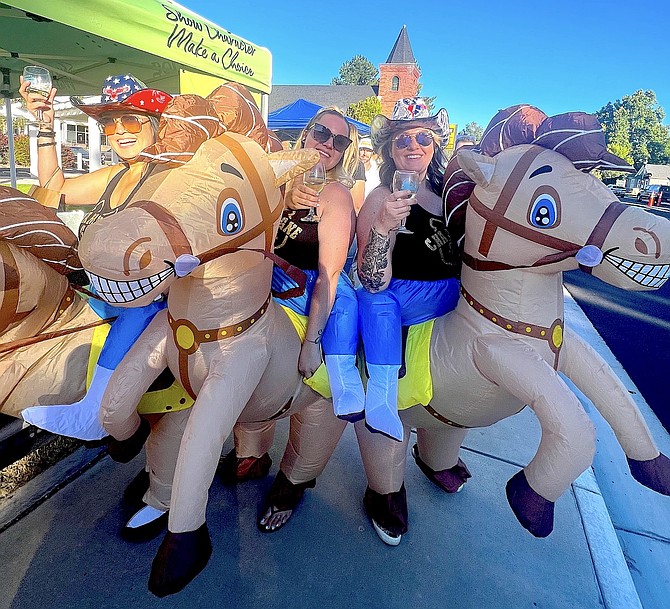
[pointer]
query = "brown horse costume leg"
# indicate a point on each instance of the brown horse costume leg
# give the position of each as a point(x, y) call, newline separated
point(146, 359)
point(313, 436)
point(587, 369)
point(568, 436)
point(385, 501)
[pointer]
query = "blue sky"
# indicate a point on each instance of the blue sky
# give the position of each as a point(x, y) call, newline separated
point(475, 56)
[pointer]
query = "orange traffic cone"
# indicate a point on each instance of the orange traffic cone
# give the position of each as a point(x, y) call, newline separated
point(651, 200)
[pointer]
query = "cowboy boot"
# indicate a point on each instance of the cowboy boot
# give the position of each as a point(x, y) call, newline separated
point(79, 420)
point(381, 401)
point(345, 385)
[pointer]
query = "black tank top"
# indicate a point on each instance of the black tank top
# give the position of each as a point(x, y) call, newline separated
point(298, 242)
point(428, 254)
point(102, 207)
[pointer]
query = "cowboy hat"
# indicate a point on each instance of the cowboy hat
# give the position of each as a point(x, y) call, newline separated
point(408, 113)
point(125, 92)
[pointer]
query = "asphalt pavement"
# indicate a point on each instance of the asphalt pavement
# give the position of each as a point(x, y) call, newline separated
point(635, 326)
point(462, 551)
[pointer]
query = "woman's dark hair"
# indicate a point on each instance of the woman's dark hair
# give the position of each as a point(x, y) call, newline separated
point(435, 171)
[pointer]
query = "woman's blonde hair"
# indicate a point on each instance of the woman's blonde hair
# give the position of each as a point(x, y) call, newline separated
point(344, 171)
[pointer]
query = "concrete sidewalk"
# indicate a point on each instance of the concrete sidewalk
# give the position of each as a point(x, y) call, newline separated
point(462, 551)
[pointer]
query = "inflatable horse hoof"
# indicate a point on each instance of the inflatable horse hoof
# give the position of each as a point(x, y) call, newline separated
point(449, 480)
point(534, 512)
point(654, 473)
point(180, 557)
point(124, 451)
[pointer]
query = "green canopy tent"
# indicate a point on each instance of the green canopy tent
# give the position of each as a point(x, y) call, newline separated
point(159, 41)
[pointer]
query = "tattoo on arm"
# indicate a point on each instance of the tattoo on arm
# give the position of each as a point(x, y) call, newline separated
point(375, 261)
point(317, 340)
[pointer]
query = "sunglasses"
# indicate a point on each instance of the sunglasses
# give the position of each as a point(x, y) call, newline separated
point(423, 138)
point(322, 134)
point(131, 123)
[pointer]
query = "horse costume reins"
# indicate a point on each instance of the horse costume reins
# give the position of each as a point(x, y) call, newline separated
point(588, 255)
point(495, 219)
point(186, 335)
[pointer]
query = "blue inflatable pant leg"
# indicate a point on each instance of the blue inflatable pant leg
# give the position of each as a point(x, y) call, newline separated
point(340, 336)
point(125, 331)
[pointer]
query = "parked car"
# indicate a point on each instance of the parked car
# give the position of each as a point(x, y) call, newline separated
point(77, 150)
point(660, 192)
point(619, 191)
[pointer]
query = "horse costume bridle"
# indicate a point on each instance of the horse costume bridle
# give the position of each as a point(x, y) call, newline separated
point(186, 335)
point(495, 219)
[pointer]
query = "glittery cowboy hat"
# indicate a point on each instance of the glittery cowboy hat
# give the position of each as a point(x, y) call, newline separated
point(125, 92)
point(408, 113)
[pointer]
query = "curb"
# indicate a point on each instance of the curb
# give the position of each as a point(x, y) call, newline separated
point(46, 484)
point(611, 569)
point(609, 563)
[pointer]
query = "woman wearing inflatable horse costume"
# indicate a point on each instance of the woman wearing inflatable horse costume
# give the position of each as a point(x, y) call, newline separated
point(128, 115)
point(327, 311)
point(410, 141)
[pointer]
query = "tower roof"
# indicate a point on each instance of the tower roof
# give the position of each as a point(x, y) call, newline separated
point(402, 49)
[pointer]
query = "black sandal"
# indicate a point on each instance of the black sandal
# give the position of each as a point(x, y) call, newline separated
point(284, 496)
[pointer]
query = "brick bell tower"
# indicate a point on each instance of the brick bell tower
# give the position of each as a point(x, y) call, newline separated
point(399, 76)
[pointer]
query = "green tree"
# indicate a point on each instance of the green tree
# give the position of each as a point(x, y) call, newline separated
point(365, 110)
point(474, 129)
point(634, 129)
point(22, 150)
point(357, 71)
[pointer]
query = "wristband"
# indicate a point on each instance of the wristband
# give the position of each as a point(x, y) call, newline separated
point(46, 134)
point(43, 144)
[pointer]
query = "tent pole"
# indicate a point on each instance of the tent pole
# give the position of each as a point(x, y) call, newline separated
point(10, 140)
point(265, 102)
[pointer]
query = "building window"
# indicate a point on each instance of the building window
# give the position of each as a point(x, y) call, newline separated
point(77, 134)
point(395, 83)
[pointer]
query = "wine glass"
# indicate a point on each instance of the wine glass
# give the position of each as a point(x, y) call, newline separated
point(405, 180)
point(40, 82)
point(315, 178)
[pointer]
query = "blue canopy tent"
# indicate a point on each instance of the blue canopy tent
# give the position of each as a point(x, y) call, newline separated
point(291, 119)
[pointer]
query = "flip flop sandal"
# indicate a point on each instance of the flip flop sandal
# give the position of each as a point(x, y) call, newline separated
point(269, 513)
point(284, 496)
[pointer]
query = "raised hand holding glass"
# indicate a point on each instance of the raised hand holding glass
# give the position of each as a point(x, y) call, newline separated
point(315, 178)
point(405, 180)
point(40, 82)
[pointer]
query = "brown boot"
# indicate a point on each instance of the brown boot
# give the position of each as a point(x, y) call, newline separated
point(233, 469)
point(388, 514)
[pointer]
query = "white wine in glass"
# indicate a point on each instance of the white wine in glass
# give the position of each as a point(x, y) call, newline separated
point(405, 180)
point(315, 178)
point(40, 82)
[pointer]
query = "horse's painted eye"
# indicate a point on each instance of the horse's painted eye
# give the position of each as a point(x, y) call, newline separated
point(543, 212)
point(231, 217)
